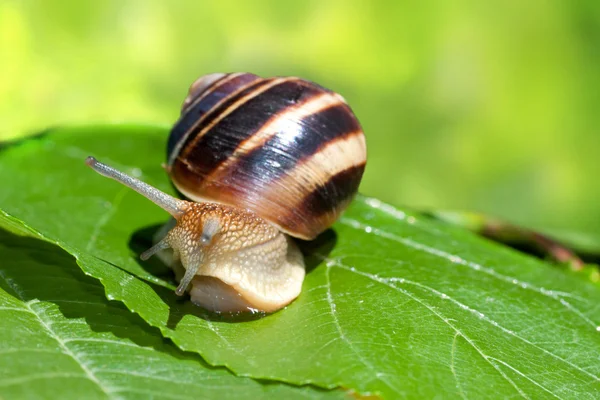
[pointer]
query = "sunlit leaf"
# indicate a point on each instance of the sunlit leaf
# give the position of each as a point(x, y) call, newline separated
point(61, 339)
point(393, 303)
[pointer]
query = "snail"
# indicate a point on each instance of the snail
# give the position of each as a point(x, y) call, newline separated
point(262, 160)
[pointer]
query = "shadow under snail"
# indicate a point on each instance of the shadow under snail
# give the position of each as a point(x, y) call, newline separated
point(262, 159)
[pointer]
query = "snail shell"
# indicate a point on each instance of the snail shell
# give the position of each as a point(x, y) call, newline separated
point(287, 149)
point(261, 159)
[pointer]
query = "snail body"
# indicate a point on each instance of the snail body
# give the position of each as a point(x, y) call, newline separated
point(262, 160)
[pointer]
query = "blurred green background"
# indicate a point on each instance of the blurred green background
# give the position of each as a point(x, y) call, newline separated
point(488, 106)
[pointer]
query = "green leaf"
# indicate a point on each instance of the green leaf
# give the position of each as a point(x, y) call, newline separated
point(400, 305)
point(62, 339)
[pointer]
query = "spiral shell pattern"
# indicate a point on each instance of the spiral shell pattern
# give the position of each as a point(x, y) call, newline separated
point(284, 148)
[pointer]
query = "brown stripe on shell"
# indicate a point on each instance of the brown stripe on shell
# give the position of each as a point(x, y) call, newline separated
point(232, 103)
point(194, 116)
point(295, 141)
point(314, 174)
point(317, 169)
point(258, 150)
point(227, 86)
point(243, 117)
point(323, 206)
point(202, 86)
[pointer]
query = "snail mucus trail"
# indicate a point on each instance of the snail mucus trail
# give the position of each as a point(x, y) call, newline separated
point(264, 160)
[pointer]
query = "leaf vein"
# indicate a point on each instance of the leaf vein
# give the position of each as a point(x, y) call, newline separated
point(472, 265)
point(332, 263)
point(61, 343)
point(105, 218)
point(345, 339)
point(452, 368)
